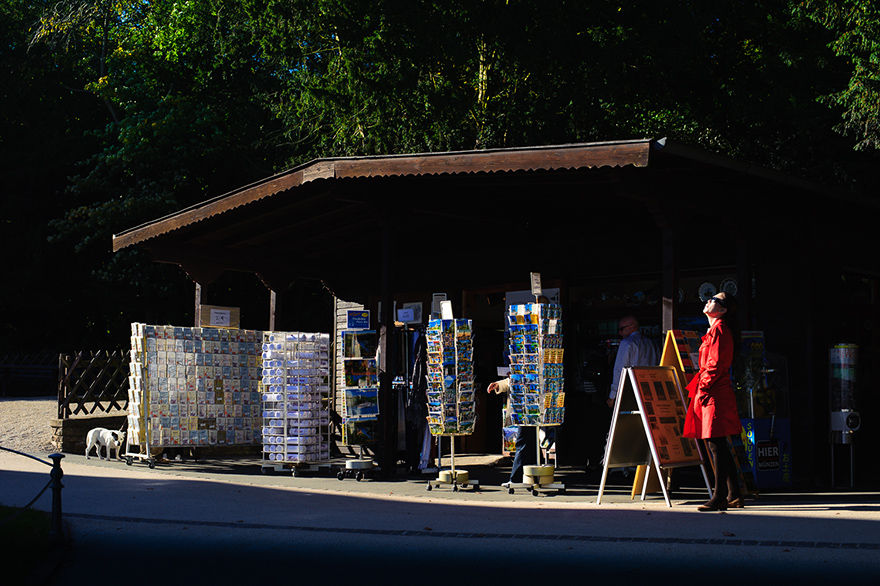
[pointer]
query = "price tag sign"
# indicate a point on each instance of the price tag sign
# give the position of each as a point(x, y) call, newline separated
point(220, 318)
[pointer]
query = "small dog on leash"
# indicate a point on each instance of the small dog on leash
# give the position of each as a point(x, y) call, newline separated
point(104, 437)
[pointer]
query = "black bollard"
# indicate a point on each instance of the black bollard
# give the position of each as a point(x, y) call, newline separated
point(56, 534)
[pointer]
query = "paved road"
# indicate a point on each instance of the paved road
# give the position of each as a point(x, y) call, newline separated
point(226, 522)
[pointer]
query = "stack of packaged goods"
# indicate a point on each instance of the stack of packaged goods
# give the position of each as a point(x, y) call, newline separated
point(360, 394)
point(194, 386)
point(295, 395)
point(537, 396)
point(451, 406)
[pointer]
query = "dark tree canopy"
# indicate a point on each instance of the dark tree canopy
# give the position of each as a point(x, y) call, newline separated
point(115, 113)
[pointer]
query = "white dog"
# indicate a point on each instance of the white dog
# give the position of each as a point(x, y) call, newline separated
point(104, 437)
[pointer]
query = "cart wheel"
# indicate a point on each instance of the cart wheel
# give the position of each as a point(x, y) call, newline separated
point(465, 485)
point(509, 491)
point(151, 463)
point(535, 492)
point(128, 460)
point(429, 488)
point(340, 475)
point(359, 476)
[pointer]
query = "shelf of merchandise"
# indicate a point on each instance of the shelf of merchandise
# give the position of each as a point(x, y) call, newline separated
point(295, 401)
point(451, 405)
point(360, 401)
point(537, 394)
point(191, 388)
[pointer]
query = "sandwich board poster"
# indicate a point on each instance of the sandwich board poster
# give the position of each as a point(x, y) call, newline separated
point(646, 428)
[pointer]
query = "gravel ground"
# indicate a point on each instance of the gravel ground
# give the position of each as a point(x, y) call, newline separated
point(24, 423)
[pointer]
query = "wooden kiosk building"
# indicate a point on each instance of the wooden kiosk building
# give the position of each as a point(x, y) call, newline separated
point(624, 227)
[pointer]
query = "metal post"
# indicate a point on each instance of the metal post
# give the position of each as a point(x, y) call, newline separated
point(538, 445)
point(56, 534)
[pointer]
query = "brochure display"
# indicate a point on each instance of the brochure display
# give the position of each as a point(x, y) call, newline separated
point(537, 395)
point(192, 387)
point(295, 400)
point(646, 428)
point(360, 399)
point(451, 406)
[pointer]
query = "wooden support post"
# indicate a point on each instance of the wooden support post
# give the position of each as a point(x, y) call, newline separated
point(272, 302)
point(744, 282)
point(198, 316)
point(670, 280)
point(387, 400)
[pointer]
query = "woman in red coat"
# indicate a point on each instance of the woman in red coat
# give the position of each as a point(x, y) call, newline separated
point(712, 413)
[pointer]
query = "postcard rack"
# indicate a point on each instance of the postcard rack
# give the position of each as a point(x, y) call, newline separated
point(295, 401)
point(360, 401)
point(537, 395)
point(191, 388)
point(451, 405)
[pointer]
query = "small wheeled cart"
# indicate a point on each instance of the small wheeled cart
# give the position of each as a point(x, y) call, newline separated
point(538, 479)
point(359, 469)
point(452, 477)
point(140, 453)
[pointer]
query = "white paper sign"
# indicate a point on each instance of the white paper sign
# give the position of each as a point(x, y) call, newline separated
point(536, 284)
point(220, 317)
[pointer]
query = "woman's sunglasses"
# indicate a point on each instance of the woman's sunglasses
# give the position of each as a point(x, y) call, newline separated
point(718, 300)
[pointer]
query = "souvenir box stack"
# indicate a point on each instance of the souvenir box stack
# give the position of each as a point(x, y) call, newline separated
point(360, 398)
point(295, 398)
point(451, 407)
point(536, 374)
point(193, 386)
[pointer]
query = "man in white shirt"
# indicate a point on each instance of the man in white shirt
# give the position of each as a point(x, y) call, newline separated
point(634, 350)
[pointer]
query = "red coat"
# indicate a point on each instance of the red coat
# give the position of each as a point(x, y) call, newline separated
point(712, 410)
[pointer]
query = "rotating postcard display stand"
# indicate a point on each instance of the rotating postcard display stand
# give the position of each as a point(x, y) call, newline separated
point(296, 401)
point(451, 407)
point(191, 388)
point(360, 401)
point(537, 397)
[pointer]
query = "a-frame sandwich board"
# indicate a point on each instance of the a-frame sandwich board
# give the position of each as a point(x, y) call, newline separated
point(646, 428)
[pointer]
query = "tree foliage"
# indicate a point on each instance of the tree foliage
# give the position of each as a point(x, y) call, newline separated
point(115, 112)
point(855, 25)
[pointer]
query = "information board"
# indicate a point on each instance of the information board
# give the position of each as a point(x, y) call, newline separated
point(664, 413)
point(646, 428)
point(358, 319)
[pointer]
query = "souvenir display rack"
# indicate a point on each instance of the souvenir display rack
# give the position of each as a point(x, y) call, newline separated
point(537, 395)
point(360, 400)
point(295, 401)
point(451, 406)
point(192, 387)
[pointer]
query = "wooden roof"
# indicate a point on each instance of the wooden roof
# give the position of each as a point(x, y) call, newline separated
point(475, 217)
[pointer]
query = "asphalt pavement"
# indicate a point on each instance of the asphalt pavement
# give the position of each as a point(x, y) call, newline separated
point(232, 521)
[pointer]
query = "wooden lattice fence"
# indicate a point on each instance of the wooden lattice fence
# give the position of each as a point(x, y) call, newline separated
point(93, 381)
